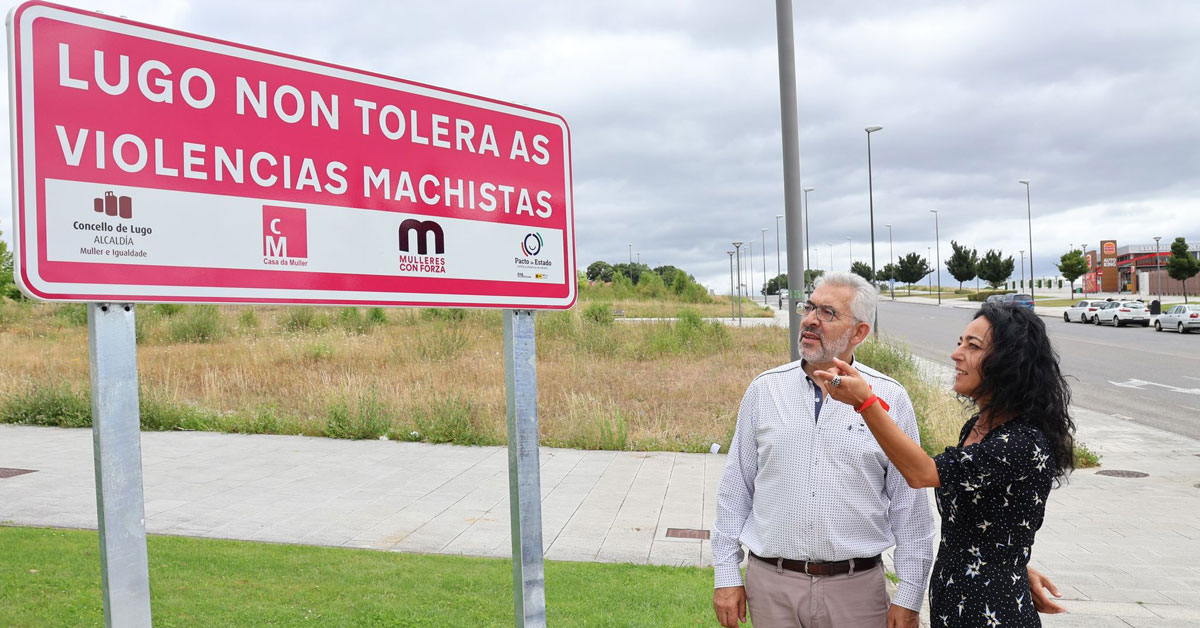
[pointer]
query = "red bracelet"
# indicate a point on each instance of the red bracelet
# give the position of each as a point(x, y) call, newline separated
point(870, 400)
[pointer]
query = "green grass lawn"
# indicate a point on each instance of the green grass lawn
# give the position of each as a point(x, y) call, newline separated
point(51, 577)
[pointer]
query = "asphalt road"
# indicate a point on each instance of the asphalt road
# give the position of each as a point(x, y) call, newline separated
point(1131, 372)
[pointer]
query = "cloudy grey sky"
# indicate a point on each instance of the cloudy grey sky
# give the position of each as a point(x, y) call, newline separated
point(674, 112)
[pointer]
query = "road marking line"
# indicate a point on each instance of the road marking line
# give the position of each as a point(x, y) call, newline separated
point(1190, 377)
point(1189, 408)
point(1141, 385)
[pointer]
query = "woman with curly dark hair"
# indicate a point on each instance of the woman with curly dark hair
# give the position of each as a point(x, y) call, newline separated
point(991, 489)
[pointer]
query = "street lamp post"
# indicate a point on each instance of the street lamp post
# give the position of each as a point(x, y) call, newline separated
point(937, 242)
point(892, 263)
point(731, 313)
point(1022, 252)
point(750, 266)
point(807, 231)
point(737, 247)
point(764, 258)
point(929, 254)
point(778, 268)
point(871, 203)
point(1029, 218)
point(850, 243)
point(1158, 268)
point(631, 255)
point(830, 256)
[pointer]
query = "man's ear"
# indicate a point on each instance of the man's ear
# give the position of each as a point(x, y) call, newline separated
point(861, 331)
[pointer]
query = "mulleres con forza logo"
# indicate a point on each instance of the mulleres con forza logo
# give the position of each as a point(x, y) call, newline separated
point(418, 233)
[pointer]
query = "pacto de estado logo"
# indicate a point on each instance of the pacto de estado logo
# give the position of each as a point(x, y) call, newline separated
point(285, 234)
point(113, 205)
point(532, 244)
point(421, 231)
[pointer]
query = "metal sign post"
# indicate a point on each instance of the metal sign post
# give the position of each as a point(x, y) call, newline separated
point(524, 479)
point(116, 441)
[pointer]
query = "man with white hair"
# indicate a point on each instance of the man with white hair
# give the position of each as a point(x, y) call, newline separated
point(808, 491)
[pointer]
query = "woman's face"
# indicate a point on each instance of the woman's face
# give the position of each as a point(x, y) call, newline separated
point(975, 343)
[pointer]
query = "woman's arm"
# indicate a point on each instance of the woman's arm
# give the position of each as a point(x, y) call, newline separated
point(913, 463)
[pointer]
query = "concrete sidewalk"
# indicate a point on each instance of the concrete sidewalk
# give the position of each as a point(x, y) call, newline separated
point(1126, 552)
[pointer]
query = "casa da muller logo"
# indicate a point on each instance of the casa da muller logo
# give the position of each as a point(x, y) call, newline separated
point(285, 236)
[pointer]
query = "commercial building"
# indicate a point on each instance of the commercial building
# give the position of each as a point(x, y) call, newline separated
point(1135, 268)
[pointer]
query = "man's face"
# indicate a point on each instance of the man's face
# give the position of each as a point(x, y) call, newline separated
point(822, 340)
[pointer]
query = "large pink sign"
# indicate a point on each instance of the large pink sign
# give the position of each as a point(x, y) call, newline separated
point(155, 165)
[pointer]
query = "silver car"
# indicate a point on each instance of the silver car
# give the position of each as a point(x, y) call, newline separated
point(1083, 311)
point(1121, 313)
point(1181, 318)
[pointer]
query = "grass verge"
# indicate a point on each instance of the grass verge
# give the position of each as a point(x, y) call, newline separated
point(52, 578)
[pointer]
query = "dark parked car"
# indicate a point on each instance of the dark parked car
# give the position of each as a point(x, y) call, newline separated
point(1024, 300)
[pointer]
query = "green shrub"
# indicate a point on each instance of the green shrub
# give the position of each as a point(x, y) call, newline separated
point(198, 323)
point(376, 316)
point(450, 314)
point(614, 436)
point(72, 314)
point(300, 319)
point(1085, 457)
point(448, 420)
point(56, 405)
point(600, 313)
point(352, 321)
point(442, 342)
point(248, 319)
point(157, 414)
point(984, 294)
point(367, 419)
point(317, 351)
point(167, 310)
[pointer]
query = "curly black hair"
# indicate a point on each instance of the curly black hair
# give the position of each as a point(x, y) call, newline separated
point(1021, 380)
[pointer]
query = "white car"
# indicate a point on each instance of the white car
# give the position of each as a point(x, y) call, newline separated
point(1181, 318)
point(1083, 311)
point(1121, 313)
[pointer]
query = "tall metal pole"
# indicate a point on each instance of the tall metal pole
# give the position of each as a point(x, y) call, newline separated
point(807, 233)
point(737, 247)
point(631, 256)
point(892, 263)
point(764, 262)
point(850, 243)
point(750, 266)
point(117, 451)
point(791, 169)
point(524, 479)
point(778, 267)
point(1158, 269)
point(830, 256)
point(731, 313)
point(1022, 252)
point(871, 202)
point(937, 242)
point(1029, 218)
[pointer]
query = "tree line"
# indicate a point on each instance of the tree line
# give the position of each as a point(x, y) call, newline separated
point(654, 282)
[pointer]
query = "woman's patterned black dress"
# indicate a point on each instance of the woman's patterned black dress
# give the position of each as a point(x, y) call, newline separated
point(992, 500)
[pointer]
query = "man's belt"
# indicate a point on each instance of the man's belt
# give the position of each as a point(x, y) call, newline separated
point(821, 569)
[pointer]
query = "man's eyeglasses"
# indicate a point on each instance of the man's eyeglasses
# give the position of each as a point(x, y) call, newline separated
point(824, 312)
